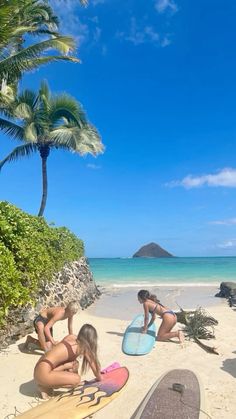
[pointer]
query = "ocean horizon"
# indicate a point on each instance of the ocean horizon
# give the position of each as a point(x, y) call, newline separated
point(176, 271)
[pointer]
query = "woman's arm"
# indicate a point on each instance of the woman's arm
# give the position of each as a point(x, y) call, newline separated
point(94, 367)
point(70, 325)
point(58, 315)
point(146, 317)
point(152, 319)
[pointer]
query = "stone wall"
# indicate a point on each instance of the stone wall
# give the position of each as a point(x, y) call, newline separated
point(73, 282)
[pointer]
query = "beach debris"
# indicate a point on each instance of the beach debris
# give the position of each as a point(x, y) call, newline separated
point(199, 324)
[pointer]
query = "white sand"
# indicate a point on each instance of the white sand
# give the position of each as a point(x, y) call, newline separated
point(217, 373)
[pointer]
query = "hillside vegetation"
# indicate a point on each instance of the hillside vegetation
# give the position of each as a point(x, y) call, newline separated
point(30, 251)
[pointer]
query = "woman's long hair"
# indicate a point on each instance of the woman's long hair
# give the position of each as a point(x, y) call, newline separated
point(87, 338)
point(146, 295)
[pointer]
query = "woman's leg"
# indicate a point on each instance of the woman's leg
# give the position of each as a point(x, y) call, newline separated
point(57, 379)
point(49, 379)
point(164, 332)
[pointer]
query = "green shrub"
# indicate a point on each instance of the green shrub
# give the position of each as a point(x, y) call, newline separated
point(30, 250)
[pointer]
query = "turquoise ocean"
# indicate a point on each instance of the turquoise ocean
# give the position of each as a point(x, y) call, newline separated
point(183, 271)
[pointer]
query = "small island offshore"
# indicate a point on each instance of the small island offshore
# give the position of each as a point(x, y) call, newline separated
point(152, 250)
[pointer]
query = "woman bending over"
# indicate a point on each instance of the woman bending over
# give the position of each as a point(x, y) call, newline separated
point(44, 322)
point(59, 368)
point(153, 306)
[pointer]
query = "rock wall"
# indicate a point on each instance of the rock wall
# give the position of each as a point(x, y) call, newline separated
point(73, 282)
point(227, 289)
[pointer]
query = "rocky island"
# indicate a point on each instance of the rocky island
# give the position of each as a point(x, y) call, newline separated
point(152, 250)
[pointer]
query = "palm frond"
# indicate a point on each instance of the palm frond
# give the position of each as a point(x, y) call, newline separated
point(28, 58)
point(198, 323)
point(29, 98)
point(65, 106)
point(13, 130)
point(84, 3)
point(79, 140)
point(91, 140)
point(22, 151)
point(7, 95)
point(20, 17)
point(30, 132)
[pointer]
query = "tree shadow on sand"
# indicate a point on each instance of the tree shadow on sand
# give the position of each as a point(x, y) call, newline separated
point(229, 365)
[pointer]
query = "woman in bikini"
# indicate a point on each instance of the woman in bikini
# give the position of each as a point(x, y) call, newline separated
point(59, 368)
point(44, 322)
point(153, 306)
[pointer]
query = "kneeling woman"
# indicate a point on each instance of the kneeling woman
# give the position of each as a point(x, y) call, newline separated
point(59, 368)
point(153, 306)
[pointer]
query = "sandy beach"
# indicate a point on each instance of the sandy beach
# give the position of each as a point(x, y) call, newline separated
point(111, 315)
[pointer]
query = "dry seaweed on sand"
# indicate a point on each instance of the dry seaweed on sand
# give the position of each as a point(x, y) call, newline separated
point(199, 324)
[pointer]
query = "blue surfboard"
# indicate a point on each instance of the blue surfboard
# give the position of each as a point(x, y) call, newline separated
point(135, 342)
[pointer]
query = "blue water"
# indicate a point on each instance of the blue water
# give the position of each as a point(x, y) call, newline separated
point(166, 271)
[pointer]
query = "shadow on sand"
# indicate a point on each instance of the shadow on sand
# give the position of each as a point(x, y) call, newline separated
point(116, 333)
point(35, 351)
point(29, 389)
point(229, 365)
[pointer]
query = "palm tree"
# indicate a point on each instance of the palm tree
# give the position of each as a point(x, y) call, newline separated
point(48, 122)
point(18, 20)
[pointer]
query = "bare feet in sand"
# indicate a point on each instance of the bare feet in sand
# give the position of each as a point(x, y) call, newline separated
point(45, 393)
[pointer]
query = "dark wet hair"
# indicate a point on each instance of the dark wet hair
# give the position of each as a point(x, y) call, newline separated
point(146, 295)
point(87, 338)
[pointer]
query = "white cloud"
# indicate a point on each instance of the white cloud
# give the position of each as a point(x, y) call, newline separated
point(166, 5)
point(71, 24)
point(165, 42)
point(143, 34)
point(93, 166)
point(225, 178)
point(227, 244)
point(228, 222)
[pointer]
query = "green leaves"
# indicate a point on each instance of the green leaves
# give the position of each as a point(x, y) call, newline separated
point(19, 18)
point(30, 251)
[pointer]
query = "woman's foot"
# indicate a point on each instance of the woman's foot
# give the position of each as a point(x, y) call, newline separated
point(45, 393)
point(181, 336)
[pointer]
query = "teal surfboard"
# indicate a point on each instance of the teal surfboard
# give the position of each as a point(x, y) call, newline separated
point(135, 342)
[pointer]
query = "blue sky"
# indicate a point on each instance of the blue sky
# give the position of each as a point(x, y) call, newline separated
point(157, 79)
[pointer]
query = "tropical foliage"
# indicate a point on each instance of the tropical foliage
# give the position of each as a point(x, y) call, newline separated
point(20, 22)
point(48, 122)
point(30, 251)
point(198, 325)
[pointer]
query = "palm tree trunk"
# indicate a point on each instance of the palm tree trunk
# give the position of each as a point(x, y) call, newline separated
point(44, 153)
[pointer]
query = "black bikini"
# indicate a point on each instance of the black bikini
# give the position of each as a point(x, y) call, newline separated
point(43, 320)
point(162, 314)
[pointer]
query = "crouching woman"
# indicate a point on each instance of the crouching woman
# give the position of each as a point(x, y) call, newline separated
point(59, 367)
